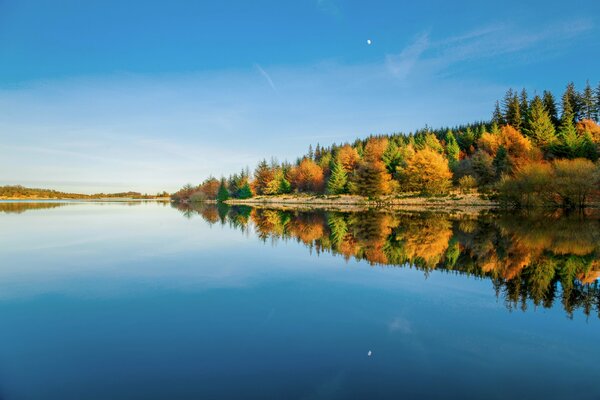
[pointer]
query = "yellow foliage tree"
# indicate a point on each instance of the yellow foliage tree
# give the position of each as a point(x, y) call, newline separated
point(427, 171)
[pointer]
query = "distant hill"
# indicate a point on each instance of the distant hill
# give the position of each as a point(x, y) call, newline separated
point(21, 192)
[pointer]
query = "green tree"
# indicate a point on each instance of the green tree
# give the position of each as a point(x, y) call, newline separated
point(550, 107)
point(223, 193)
point(524, 108)
point(452, 149)
point(512, 109)
point(588, 102)
point(501, 162)
point(540, 128)
point(570, 142)
point(574, 100)
point(338, 181)
point(245, 191)
point(497, 117)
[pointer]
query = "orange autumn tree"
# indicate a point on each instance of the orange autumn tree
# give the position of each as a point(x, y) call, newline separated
point(519, 148)
point(348, 158)
point(372, 178)
point(307, 177)
point(427, 172)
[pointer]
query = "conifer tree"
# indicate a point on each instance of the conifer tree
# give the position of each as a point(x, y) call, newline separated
point(570, 142)
point(588, 148)
point(550, 107)
point(452, 149)
point(501, 162)
point(588, 103)
point(574, 101)
point(540, 128)
point(223, 193)
point(598, 103)
point(245, 191)
point(524, 107)
point(512, 109)
point(338, 180)
point(497, 117)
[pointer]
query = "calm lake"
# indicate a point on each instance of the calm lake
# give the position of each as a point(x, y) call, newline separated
point(148, 301)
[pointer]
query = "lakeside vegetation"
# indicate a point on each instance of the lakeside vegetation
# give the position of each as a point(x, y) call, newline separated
point(18, 192)
point(529, 154)
point(532, 259)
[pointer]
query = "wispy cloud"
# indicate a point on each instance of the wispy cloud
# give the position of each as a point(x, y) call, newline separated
point(426, 55)
point(267, 77)
point(401, 65)
point(329, 7)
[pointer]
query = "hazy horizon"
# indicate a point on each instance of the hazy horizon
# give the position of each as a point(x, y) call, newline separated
point(92, 100)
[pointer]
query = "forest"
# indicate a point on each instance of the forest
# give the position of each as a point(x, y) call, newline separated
point(534, 151)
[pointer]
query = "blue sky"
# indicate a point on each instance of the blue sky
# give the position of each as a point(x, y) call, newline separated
point(143, 95)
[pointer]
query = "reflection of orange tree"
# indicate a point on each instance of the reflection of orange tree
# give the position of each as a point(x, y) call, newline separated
point(528, 258)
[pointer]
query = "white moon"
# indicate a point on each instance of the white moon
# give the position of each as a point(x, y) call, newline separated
point(369, 41)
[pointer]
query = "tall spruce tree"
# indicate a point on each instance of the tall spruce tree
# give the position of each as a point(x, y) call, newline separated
point(539, 127)
point(574, 100)
point(588, 103)
point(338, 181)
point(524, 108)
point(223, 193)
point(512, 109)
point(570, 142)
point(452, 149)
point(497, 117)
point(550, 106)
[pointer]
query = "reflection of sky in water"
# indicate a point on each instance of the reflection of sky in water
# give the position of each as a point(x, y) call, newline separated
point(114, 301)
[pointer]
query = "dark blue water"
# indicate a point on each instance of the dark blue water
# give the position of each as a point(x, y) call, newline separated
point(120, 301)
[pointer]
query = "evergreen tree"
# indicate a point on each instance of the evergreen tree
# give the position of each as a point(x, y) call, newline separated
point(452, 149)
point(540, 128)
point(588, 148)
point(497, 117)
point(570, 142)
point(550, 107)
point(311, 154)
point(524, 107)
point(501, 163)
point(223, 193)
point(598, 103)
point(588, 103)
point(245, 191)
point(574, 101)
point(512, 109)
point(338, 181)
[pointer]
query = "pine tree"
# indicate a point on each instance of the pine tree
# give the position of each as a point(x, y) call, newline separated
point(540, 127)
point(338, 181)
point(524, 107)
point(598, 103)
point(588, 148)
point(550, 107)
point(497, 117)
point(501, 162)
point(223, 193)
point(574, 100)
point(570, 142)
point(512, 109)
point(588, 103)
point(311, 154)
point(245, 191)
point(452, 149)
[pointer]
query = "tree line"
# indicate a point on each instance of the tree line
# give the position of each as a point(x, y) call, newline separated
point(533, 151)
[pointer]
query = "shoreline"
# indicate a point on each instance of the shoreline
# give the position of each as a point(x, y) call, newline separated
point(463, 202)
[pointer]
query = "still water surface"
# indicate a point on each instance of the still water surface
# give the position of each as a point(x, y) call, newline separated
point(147, 301)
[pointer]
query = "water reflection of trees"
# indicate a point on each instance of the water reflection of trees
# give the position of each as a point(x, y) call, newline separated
point(531, 259)
point(17, 207)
